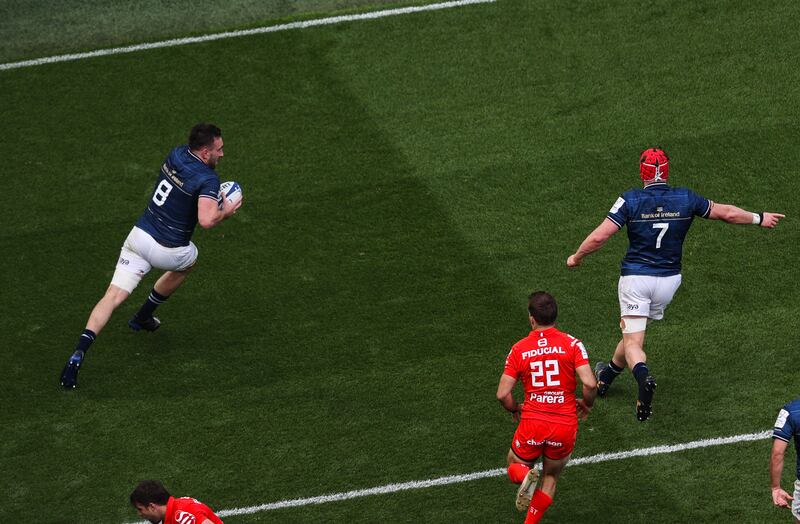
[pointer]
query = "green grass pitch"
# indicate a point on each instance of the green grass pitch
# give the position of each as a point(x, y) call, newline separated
point(408, 181)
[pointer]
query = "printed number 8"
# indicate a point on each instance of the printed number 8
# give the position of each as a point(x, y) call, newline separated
point(162, 192)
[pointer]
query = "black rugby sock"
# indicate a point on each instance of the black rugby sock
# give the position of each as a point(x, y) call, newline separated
point(153, 301)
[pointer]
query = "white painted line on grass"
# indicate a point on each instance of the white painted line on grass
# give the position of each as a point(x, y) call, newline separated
point(498, 472)
point(246, 32)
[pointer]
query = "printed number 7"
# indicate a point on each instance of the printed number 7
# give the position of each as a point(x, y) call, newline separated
point(663, 226)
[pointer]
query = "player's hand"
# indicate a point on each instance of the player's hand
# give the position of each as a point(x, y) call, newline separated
point(573, 261)
point(228, 209)
point(582, 409)
point(516, 415)
point(771, 220)
point(780, 498)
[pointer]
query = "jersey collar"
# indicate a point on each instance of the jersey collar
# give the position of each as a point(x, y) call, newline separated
point(189, 150)
point(655, 184)
point(543, 332)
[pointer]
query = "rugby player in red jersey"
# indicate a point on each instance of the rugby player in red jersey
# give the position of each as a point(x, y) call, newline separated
point(546, 362)
point(154, 503)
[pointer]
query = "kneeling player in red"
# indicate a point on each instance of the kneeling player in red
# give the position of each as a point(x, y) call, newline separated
point(154, 503)
point(546, 362)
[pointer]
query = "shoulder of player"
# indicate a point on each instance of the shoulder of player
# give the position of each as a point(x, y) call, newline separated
point(520, 345)
point(571, 340)
point(793, 407)
point(189, 162)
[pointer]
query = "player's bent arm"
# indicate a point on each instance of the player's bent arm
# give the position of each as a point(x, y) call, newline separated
point(588, 384)
point(209, 214)
point(593, 241)
point(504, 396)
point(779, 496)
point(736, 215)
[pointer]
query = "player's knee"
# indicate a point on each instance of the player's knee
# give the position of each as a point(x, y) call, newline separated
point(116, 295)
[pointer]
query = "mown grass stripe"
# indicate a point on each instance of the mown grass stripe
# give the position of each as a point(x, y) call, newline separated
point(245, 32)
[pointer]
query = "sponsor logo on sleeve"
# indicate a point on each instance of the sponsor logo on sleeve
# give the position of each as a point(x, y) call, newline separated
point(781, 420)
point(617, 205)
point(584, 354)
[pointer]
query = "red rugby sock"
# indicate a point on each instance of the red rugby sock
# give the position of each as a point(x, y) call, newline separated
point(539, 504)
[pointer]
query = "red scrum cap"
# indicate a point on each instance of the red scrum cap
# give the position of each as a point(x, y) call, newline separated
point(654, 165)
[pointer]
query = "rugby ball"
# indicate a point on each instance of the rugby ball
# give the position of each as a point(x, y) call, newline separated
point(231, 190)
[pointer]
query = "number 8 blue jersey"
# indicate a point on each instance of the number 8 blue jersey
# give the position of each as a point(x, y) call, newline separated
point(658, 218)
point(171, 214)
point(787, 426)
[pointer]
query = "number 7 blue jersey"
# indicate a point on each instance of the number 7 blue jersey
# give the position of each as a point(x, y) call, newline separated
point(171, 214)
point(658, 218)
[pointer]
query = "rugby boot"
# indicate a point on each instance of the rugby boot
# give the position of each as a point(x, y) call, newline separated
point(150, 324)
point(526, 489)
point(602, 387)
point(644, 406)
point(69, 375)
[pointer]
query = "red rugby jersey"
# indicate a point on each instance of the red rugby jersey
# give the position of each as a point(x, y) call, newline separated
point(186, 510)
point(545, 362)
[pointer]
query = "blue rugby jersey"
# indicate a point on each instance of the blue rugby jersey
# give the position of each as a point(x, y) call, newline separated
point(658, 218)
point(171, 214)
point(787, 426)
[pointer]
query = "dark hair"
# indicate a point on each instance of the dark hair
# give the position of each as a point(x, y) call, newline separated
point(149, 491)
point(543, 308)
point(203, 135)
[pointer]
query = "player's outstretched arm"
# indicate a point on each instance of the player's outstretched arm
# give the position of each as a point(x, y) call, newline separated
point(209, 214)
point(593, 242)
point(736, 215)
point(779, 497)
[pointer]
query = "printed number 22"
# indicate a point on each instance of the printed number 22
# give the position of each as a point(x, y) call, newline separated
point(663, 226)
point(162, 192)
point(547, 370)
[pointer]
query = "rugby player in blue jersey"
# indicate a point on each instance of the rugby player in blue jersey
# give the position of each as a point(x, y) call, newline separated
point(787, 426)
point(658, 218)
point(186, 193)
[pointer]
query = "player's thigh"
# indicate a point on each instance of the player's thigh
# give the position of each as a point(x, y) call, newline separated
point(664, 292)
point(554, 466)
point(162, 257)
point(796, 500)
point(534, 437)
point(177, 259)
point(634, 292)
point(131, 265)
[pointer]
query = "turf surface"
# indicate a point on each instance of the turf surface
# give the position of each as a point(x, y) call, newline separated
point(32, 29)
point(407, 182)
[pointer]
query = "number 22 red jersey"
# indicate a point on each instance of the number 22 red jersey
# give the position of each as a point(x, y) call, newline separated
point(545, 363)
